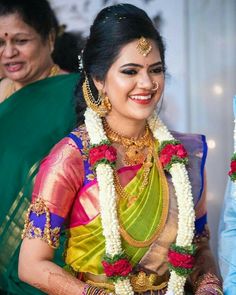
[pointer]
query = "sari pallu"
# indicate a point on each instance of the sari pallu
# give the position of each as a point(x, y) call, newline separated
point(67, 186)
point(32, 120)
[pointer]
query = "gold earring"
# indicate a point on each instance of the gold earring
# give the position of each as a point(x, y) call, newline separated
point(105, 104)
point(101, 106)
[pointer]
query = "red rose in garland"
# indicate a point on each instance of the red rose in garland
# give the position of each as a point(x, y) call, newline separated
point(170, 152)
point(102, 154)
point(232, 172)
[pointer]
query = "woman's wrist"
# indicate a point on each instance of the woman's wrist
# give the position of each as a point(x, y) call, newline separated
point(208, 284)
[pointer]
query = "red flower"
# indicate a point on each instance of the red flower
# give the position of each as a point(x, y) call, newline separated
point(121, 267)
point(169, 151)
point(232, 167)
point(108, 268)
point(180, 151)
point(181, 259)
point(102, 152)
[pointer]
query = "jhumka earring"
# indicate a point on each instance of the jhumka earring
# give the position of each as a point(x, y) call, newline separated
point(144, 46)
point(101, 106)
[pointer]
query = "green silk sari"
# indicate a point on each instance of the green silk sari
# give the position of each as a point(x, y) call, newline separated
point(32, 120)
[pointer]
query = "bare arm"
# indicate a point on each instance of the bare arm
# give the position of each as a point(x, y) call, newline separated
point(37, 269)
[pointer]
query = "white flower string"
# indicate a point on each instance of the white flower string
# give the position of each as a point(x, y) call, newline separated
point(186, 213)
point(107, 199)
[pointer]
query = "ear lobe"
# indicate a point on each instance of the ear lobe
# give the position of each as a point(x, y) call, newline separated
point(98, 84)
point(51, 39)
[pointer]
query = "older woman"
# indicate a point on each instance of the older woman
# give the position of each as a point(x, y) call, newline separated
point(36, 110)
point(136, 213)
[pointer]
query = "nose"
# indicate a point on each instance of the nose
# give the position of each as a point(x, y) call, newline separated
point(9, 50)
point(145, 82)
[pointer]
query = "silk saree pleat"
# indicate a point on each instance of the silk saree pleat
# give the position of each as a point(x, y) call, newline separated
point(86, 242)
point(32, 120)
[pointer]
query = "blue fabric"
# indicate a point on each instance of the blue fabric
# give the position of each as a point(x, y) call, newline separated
point(227, 235)
point(200, 224)
point(227, 240)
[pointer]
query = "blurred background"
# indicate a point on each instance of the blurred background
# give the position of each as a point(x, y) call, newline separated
point(200, 39)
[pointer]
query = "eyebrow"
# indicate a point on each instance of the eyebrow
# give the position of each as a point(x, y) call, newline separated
point(140, 66)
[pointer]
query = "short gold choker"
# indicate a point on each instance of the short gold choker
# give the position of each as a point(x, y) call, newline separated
point(134, 148)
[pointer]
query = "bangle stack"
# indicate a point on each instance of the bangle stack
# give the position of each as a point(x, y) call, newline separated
point(209, 284)
point(90, 290)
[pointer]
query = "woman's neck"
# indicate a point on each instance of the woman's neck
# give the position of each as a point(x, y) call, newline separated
point(51, 70)
point(127, 127)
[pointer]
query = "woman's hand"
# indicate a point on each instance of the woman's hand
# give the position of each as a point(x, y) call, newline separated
point(209, 284)
point(37, 269)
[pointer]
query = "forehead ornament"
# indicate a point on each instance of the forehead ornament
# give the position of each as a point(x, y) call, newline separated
point(144, 46)
point(6, 34)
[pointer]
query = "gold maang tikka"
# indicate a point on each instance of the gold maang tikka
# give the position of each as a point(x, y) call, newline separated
point(144, 46)
point(101, 106)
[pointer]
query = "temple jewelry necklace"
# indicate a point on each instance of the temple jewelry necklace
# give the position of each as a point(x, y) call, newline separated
point(145, 176)
point(165, 206)
point(134, 148)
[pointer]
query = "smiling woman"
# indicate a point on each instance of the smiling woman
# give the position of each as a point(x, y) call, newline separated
point(131, 195)
point(35, 97)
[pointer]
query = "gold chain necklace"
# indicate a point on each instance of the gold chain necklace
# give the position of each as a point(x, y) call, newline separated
point(145, 176)
point(134, 148)
point(165, 206)
point(10, 89)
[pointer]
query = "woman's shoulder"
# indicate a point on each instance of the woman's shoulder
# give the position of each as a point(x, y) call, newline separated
point(187, 136)
point(192, 141)
point(64, 152)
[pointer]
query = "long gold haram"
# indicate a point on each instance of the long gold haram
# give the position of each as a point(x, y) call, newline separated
point(165, 192)
point(145, 176)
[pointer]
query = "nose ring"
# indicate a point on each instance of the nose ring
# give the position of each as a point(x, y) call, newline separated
point(156, 86)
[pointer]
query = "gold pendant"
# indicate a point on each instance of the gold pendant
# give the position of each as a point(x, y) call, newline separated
point(134, 155)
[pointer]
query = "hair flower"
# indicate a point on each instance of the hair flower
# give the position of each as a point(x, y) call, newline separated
point(232, 172)
point(104, 153)
point(170, 152)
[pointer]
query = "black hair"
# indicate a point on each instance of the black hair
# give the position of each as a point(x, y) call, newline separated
point(68, 45)
point(114, 27)
point(35, 13)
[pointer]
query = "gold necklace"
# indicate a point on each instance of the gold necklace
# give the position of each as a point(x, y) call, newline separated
point(10, 89)
point(165, 194)
point(134, 148)
point(122, 193)
point(55, 69)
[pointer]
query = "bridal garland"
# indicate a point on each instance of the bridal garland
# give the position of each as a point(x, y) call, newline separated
point(115, 263)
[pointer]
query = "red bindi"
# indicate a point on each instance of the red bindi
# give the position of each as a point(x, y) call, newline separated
point(6, 34)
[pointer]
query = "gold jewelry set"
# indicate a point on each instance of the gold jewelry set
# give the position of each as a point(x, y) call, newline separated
point(102, 105)
point(137, 151)
point(137, 156)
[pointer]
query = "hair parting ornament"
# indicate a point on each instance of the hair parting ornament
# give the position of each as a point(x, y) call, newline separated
point(144, 46)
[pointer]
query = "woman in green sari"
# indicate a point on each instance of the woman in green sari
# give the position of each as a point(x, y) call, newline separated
point(130, 193)
point(36, 110)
